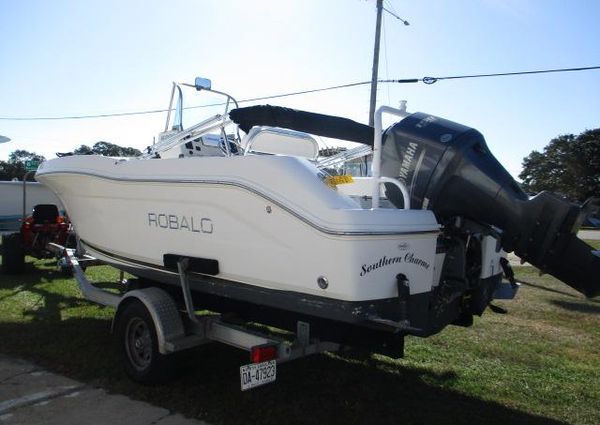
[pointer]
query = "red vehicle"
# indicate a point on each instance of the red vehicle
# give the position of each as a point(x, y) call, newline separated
point(45, 225)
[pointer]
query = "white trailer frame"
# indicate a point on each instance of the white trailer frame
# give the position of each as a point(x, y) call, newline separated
point(171, 333)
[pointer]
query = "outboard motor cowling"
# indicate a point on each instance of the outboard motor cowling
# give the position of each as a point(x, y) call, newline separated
point(448, 168)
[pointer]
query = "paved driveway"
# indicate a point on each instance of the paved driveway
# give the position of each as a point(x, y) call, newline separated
point(30, 395)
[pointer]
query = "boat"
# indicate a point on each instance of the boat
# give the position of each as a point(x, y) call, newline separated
point(271, 232)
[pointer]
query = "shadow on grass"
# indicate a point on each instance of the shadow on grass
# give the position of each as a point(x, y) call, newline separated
point(545, 288)
point(579, 307)
point(555, 291)
point(30, 275)
point(315, 390)
point(49, 304)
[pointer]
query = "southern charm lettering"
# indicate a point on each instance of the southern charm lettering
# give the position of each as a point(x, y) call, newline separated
point(412, 259)
point(384, 261)
point(408, 258)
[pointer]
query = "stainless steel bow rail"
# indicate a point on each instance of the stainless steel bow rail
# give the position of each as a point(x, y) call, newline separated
point(151, 326)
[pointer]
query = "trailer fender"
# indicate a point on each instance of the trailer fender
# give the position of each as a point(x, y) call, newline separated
point(162, 309)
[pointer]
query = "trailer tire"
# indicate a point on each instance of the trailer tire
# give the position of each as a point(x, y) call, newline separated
point(13, 255)
point(138, 346)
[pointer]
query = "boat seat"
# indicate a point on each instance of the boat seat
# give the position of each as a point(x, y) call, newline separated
point(280, 141)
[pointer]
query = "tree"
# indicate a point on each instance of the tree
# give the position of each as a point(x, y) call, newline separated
point(332, 151)
point(15, 166)
point(83, 150)
point(7, 171)
point(22, 156)
point(569, 165)
point(106, 149)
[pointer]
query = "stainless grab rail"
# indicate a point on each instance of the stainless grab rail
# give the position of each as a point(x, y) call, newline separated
point(377, 141)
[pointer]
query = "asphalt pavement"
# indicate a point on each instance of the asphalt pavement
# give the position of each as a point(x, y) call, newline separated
point(31, 395)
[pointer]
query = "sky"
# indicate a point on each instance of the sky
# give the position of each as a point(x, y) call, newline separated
point(63, 58)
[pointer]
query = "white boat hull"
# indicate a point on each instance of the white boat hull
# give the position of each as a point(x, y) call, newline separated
point(285, 234)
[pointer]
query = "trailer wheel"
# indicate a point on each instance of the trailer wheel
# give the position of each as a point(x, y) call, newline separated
point(13, 255)
point(138, 345)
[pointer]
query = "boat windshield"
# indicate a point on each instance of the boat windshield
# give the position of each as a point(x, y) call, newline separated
point(178, 141)
point(270, 130)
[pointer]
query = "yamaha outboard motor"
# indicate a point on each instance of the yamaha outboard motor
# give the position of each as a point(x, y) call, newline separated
point(449, 169)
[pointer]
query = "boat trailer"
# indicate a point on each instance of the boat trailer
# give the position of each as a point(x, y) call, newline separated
point(150, 327)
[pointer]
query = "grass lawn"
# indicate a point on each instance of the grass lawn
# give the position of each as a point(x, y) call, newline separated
point(594, 243)
point(538, 364)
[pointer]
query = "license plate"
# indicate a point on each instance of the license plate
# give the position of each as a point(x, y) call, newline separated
point(255, 374)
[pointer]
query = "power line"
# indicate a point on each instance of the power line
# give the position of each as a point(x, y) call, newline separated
point(404, 21)
point(341, 86)
point(426, 80)
point(82, 117)
point(431, 80)
point(156, 111)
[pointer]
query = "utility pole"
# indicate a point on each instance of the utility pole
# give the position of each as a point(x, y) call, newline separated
point(375, 64)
